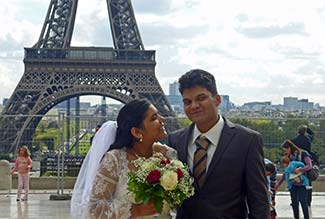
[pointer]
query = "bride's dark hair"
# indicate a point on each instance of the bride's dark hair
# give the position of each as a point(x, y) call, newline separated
point(131, 115)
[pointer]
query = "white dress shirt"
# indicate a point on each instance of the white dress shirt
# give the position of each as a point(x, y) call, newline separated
point(212, 134)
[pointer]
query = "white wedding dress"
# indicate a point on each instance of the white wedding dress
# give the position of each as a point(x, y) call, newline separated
point(109, 198)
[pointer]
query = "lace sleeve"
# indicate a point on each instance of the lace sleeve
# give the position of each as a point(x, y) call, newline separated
point(102, 203)
point(167, 151)
point(171, 152)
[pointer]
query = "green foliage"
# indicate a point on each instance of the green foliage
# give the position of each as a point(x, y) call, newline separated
point(184, 122)
point(53, 174)
point(144, 192)
point(45, 139)
point(160, 180)
point(53, 124)
point(272, 154)
point(46, 136)
point(276, 131)
point(84, 144)
point(41, 126)
point(158, 203)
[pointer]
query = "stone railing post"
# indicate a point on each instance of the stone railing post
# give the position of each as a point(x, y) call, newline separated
point(5, 179)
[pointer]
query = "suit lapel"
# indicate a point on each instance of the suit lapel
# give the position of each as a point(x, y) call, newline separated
point(183, 147)
point(226, 136)
point(183, 151)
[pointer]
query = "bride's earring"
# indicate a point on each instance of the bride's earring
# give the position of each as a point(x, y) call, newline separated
point(141, 138)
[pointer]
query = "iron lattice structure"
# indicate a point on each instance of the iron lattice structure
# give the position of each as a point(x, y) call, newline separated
point(55, 72)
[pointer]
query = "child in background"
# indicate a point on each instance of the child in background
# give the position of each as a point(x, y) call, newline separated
point(271, 171)
point(22, 166)
point(290, 176)
point(297, 184)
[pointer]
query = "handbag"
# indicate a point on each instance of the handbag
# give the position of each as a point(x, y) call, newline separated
point(313, 173)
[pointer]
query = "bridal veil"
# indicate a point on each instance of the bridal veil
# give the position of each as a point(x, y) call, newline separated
point(103, 138)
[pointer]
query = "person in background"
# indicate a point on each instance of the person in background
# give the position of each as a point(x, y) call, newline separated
point(295, 153)
point(226, 159)
point(271, 171)
point(297, 184)
point(304, 139)
point(23, 165)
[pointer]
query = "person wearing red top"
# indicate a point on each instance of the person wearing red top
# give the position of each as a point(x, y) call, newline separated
point(22, 166)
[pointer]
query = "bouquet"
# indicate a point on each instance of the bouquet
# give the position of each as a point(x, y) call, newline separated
point(160, 179)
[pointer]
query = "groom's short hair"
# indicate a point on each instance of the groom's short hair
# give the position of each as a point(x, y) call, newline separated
point(198, 77)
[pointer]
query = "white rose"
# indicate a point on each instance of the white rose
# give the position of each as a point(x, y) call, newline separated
point(148, 166)
point(169, 180)
point(178, 163)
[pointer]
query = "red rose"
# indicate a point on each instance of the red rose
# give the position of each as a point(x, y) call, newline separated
point(179, 174)
point(153, 176)
point(164, 162)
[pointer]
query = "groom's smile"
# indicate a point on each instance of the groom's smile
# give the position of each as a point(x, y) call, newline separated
point(200, 106)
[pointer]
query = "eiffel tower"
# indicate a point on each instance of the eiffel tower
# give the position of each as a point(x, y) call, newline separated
point(55, 71)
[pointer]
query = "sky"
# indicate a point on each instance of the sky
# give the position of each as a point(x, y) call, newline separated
point(257, 50)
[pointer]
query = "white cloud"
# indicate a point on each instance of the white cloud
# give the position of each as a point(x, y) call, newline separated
point(257, 50)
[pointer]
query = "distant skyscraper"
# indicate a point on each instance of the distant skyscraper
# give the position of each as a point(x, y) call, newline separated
point(175, 98)
point(304, 105)
point(173, 89)
point(225, 104)
point(290, 103)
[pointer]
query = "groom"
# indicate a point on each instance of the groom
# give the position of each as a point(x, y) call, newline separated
point(225, 159)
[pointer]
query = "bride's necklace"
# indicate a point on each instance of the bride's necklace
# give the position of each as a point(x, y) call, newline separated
point(132, 152)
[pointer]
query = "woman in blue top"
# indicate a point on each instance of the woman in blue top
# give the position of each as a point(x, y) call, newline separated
point(298, 193)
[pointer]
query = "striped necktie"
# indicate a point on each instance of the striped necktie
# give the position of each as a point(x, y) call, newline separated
point(200, 159)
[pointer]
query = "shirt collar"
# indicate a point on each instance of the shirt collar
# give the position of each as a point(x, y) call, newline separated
point(213, 134)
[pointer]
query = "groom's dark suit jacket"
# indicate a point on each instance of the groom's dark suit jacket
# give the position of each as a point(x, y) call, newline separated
point(235, 179)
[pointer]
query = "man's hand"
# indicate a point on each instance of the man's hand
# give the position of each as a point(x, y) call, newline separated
point(159, 148)
point(309, 131)
point(273, 203)
point(138, 210)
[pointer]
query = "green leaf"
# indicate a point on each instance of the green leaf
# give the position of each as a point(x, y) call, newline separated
point(147, 198)
point(138, 199)
point(149, 190)
point(140, 196)
point(158, 203)
point(159, 192)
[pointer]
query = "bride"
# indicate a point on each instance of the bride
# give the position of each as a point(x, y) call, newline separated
point(105, 195)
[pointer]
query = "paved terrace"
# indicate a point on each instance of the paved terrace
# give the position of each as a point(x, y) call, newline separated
point(40, 207)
